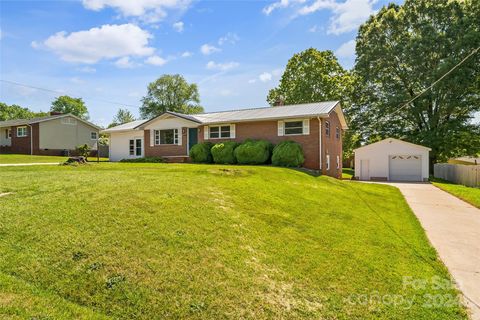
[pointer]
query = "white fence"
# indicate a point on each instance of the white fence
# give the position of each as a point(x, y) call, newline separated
point(458, 173)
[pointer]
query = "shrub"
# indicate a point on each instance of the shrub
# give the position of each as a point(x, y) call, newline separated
point(145, 160)
point(84, 150)
point(253, 152)
point(200, 153)
point(223, 152)
point(288, 154)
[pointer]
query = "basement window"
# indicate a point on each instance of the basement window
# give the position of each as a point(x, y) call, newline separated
point(22, 132)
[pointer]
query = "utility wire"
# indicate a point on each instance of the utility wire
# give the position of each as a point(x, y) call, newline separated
point(437, 81)
point(62, 93)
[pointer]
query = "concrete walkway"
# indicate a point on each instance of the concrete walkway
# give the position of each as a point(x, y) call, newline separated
point(28, 164)
point(453, 228)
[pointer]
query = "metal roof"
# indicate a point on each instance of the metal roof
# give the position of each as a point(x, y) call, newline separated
point(266, 113)
point(125, 127)
point(20, 122)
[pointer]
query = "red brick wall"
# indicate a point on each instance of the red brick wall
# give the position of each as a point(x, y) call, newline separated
point(332, 146)
point(165, 150)
point(21, 144)
point(268, 130)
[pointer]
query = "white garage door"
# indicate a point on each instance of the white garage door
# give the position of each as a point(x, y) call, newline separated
point(405, 168)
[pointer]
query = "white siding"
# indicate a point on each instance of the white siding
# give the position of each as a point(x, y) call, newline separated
point(378, 155)
point(119, 144)
point(4, 141)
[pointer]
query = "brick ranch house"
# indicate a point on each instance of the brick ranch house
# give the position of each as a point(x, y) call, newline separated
point(49, 135)
point(316, 126)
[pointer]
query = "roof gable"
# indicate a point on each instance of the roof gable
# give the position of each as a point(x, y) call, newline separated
point(391, 140)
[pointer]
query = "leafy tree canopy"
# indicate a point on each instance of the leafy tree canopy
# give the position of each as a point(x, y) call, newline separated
point(311, 76)
point(122, 116)
point(170, 93)
point(401, 51)
point(14, 111)
point(67, 104)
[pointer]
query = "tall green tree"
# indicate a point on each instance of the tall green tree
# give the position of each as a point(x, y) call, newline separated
point(311, 76)
point(170, 93)
point(67, 104)
point(12, 112)
point(122, 116)
point(401, 51)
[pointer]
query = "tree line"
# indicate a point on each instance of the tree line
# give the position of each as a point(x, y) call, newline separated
point(400, 52)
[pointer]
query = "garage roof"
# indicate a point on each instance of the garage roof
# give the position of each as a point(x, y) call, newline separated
point(390, 140)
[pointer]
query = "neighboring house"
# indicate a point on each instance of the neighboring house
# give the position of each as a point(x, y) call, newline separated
point(465, 160)
point(316, 126)
point(392, 160)
point(50, 135)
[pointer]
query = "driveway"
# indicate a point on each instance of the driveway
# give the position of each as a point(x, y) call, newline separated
point(453, 228)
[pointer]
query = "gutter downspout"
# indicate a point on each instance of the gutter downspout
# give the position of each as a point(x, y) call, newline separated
point(320, 144)
point(31, 138)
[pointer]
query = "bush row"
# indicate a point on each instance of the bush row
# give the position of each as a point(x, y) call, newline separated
point(286, 153)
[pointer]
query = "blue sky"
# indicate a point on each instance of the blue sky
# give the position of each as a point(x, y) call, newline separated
point(109, 50)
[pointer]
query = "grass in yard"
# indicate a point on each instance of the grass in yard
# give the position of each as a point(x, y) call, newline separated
point(24, 158)
point(347, 173)
point(468, 194)
point(149, 241)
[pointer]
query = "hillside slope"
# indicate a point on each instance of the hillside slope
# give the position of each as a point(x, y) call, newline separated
point(152, 241)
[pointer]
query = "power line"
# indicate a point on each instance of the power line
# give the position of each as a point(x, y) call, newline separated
point(437, 81)
point(62, 93)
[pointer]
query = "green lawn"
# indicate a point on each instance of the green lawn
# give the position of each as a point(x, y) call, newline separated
point(153, 241)
point(468, 194)
point(347, 173)
point(23, 158)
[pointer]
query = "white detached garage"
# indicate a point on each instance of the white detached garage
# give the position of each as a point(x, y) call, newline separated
point(393, 160)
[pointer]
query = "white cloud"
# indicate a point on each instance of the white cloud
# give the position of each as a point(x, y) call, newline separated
point(211, 65)
point(346, 50)
point(156, 60)
point(264, 77)
point(230, 37)
point(314, 29)
point(276, 5)
point(34, 45)
point(207, 49)
point(124, 63)
point(252, 80)
point(77, 80)
point(187, 54)
point(150, 11)
point(277, 72)
point(178, 26)
point(347, 15)
point(106, 42)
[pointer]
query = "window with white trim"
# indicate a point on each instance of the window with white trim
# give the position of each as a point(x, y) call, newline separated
point(22, 132)
point(327, 128)
point(337, 133)
point(135, 147)
point(167, 136)
point(338, 162)
point(218, 132)
point(8, 133)
point(328, 162)
point(293, 127)
point(93, 135)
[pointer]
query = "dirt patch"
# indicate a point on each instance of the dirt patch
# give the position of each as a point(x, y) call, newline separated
point(5, 194)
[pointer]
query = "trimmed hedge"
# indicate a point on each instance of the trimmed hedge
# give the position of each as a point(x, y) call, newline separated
point(223, 152)
point(201, 153)
point(288, 154)
point(253, 152)
point(144, 160)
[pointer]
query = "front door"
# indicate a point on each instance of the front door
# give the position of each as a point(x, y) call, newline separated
point(364, 170)
point(192, 137)
point(135, 147)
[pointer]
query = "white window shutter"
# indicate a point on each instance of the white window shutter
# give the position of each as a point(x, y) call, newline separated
point(306, 126)
point(180, 136)
point(205, 133)
point(152, 137)
point(232, 131)
point(280, 128)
